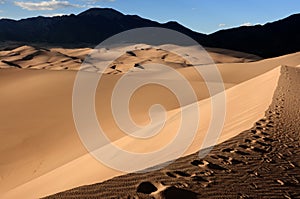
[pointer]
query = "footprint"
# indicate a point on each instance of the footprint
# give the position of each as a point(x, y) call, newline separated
point(204, 182)
point(263, 120)
point(164, 56)
point(203, 163)
point(254, 131)
point(259, 124)
point(247, 141)
point(199, 179)
point(268, 139)
point(228, 150)
point(177, 174)
point(228, 160)
point(244, 146)
point(263, 143)
point(181, 173)
point(131, 53)
point(207, 173)
point(146, 188)
point(241, 152)
point(223, 157)
point(177, 193)
point(256, 136)
point(259, 128)
point(259, 150)
point(264, 133)
point(234, 161)
point(170, 174)
point(200, 163)
point(215, 167)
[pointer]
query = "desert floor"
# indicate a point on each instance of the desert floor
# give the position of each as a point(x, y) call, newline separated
point(256, 154)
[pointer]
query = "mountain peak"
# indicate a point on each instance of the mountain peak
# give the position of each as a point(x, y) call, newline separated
point(103, 12)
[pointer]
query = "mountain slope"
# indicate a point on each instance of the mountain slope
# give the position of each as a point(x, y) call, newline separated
point(89, 27)
point(270, 40)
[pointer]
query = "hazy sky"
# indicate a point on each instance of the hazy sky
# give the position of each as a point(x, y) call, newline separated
point(201, 15)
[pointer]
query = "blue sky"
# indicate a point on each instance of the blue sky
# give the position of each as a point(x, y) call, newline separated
point(205, 16)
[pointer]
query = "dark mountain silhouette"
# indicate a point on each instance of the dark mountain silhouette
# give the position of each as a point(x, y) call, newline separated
point(89, 27)
point(272, 39)
point(95, 25)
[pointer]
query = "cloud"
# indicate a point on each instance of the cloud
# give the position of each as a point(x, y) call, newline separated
point(2, 1)
point(46, 5)
point(247, 24)
point(222, 25)
point(55, 15)
point(97, 1)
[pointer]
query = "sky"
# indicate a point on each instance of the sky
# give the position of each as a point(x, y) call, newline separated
point(204, 16)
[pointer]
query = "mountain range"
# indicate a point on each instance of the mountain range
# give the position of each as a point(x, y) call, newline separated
point(92, 26)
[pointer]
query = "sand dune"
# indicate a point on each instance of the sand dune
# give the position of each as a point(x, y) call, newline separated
point(44, 148)
point(262, 162)
point(39, 58)
point(71, 59)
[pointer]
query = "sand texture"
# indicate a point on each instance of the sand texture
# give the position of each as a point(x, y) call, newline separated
point(257, 152)
point(70, 59)
point(262, 162)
